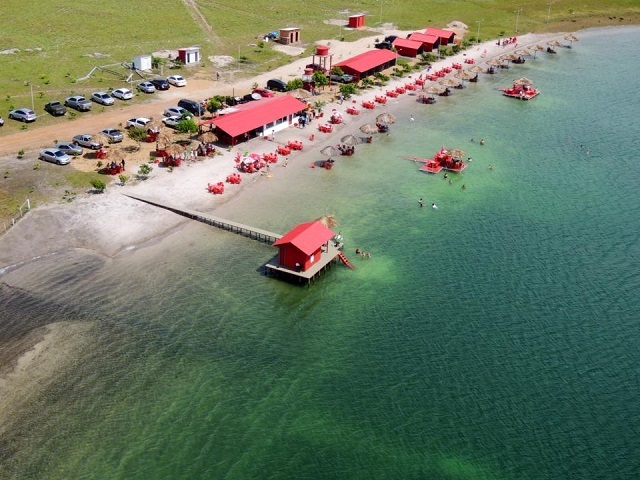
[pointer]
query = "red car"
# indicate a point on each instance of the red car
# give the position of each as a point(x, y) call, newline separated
point(263, 92)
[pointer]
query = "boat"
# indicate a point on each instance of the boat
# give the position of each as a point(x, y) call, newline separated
point(442, 160)
point(520, 91)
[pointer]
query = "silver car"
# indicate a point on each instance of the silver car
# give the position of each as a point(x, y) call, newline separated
point(114, 135)
point(55, 155)
point(70, 148)
point(87, 141)
point(78, 102)
point(179, 111)
point(122, 93)
point(103, 98)
point(23, 114)
point(146, 87)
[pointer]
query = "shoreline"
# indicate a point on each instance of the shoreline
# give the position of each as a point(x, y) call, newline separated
point(112, 224)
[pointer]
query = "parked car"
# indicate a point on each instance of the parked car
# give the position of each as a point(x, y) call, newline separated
point(384, 45)
point(78, 102)
point(54, 155)
point(86, 140)
point(114, 135)
point(1, 121)
point(55, 108)
point(250, 97)
point(160, 84)
point(102, 98)
point(390, 38)
point(344, 78)
point(177, 81)
point(192, 106)
point(140, 122)
point(70, 148)
point(23, 114)
point(277, 85)
point(316, 67)
point(122, 93)
point(179, 111)
point(172, 121)
point(146, 87)
point(264, 92)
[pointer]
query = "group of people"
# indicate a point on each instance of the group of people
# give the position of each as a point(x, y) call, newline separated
point(346, 149)
point(363, 253)
point(421, 204)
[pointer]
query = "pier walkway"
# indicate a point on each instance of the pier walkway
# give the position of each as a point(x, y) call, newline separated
point(263, 236)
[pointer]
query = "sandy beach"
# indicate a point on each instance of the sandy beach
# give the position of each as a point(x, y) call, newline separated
point(111, 222)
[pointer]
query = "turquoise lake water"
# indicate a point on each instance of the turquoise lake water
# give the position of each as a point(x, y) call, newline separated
point(493, 338)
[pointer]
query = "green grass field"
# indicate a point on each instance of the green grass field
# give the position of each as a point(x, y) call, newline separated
point(56, 38)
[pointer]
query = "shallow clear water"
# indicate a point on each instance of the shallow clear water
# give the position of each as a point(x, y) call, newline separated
point(493, 338)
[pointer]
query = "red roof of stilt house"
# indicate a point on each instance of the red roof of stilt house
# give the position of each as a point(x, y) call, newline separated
point(446, 36)
point(307, 237)
point(368, 60)
point(256, 114)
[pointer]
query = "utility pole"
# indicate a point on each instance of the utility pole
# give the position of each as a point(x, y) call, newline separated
point(517, 12)
point(549, 11)
point(478, 35)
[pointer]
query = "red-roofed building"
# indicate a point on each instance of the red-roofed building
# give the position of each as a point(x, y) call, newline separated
point(257, 118)
point(368, 63)
point(446, 36)
point(407, 48)
point(429, 42)
point(302, 247)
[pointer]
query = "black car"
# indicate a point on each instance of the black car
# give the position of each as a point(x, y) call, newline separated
point(192, 106)
point(160, 84)
point(277, 85)
point(384, 45)
point(56, 109)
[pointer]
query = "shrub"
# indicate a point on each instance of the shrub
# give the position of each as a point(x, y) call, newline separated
point(348, 89)
point(187, 126)
point(144, 171)
point(137, 133)
point(98, 185)
point(123, 178)
point(295, 84)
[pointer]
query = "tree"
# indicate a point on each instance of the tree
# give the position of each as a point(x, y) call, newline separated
point(187, 125)
point(214, 104)
point(295, 84)
point(319, 79)
point(348, 89)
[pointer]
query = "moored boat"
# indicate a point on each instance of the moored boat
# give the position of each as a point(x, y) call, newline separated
point(521, 90)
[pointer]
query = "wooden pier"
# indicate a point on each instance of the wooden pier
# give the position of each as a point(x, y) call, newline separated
point(272, 267)
point(263, 236)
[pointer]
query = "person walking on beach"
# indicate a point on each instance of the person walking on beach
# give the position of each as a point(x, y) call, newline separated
point(122, 163)
point(411, 118)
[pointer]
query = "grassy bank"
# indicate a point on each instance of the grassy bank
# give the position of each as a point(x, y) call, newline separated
point(60, 41)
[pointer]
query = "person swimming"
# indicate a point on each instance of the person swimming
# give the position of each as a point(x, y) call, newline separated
point(434, 206)
point(421, 202)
